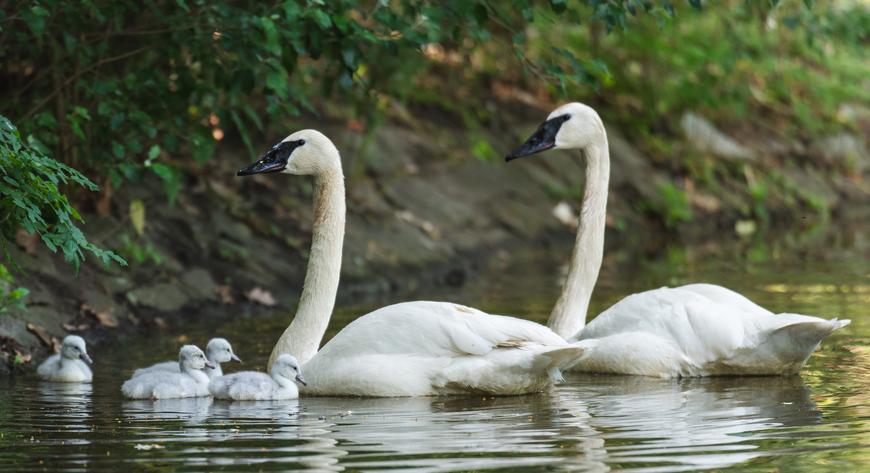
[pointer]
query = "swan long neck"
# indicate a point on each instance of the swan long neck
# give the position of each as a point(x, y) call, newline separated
point(302, 338)
point(569, 314)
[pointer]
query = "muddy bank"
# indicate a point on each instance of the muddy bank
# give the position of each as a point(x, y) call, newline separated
point(426, 207)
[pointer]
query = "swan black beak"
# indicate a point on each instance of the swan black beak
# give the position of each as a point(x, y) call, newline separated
point(87, 359)
point(543, 139)
point(209, 365)
point(262, 166)
point(235, 358)
point(275, 160)
point(301, 380)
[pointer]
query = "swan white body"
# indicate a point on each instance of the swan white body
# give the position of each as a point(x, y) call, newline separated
point(435, 348)
point(255, 386)
point(189, 381)
point(69, 365)
point(693, 330)
point(700, 330)
point(217, 351)
point(409, 349)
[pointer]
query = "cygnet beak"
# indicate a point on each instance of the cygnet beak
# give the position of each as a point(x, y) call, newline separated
point(301, 380)
point(209, 365)
point(235, 358)
point(84, 357)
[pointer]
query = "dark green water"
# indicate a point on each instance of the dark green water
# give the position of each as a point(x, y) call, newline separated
point(819, 421)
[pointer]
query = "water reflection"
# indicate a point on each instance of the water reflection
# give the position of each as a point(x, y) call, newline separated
point(592, 423)
point(695, 423)
point(67, 409)
point(192, 410)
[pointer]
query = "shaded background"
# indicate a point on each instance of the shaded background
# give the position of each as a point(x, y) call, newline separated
point(737, 130)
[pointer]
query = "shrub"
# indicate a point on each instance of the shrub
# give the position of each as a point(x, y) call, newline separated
point(30, 183)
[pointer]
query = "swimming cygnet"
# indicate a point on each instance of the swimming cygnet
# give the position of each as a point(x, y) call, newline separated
point(217, 351)
point(69, 365)
point(255, 386)
point(189, 381)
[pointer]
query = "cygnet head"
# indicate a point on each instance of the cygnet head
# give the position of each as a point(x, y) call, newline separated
point(190, 357)
point(304, 153)
point(73, 348)
point(219, 350)
point(571, 126)
point(288, 367)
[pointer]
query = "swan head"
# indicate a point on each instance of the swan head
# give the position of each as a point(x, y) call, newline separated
point(304, 153)
point(286, 366)
point(190, 357)
point(571, 126)
point(73, 348)
point(219, 350)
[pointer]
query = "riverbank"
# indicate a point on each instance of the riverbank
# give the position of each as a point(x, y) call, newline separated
point(429, 203)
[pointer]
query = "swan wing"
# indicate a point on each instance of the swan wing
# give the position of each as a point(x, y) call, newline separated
point(48, 367)
point(427, 348)
point(700, 329)
point(726, 297)
point(163, 385)
point(243, 386)
point(695, 325)
point(163, 366)
point(437, 329)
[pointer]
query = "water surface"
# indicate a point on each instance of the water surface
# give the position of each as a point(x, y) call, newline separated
point(819, 421)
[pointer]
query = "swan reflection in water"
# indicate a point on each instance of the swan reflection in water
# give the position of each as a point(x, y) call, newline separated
point(66, 408)
point(594, 422)
point(696, 422)
point(191, 410)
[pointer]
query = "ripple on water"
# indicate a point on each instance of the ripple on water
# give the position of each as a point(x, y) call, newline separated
point(817, 422)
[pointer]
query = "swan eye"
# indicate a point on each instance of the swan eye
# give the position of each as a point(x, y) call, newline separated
point(301, 142)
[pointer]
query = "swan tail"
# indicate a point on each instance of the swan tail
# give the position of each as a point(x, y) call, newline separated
point(563, 358)
point(814, 328)
point(798, 340)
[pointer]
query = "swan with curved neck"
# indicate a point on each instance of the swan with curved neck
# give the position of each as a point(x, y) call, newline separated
point(692, 330)
point(410, 349)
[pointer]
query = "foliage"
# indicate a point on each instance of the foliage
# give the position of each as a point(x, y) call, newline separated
point(32, 200)
point(790, 64)
point(139, 251)
point(10, 296)
point(127, 88)
point(674, 207)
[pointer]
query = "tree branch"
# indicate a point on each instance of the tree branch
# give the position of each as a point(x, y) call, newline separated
point(75, 76)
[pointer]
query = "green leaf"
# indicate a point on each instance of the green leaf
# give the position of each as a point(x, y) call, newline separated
point(171, 180)
point(321, 18)
point(137, 216)
point(153, 152)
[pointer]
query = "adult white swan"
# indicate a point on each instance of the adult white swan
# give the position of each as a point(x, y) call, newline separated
point(409, 349)
point(693, 330)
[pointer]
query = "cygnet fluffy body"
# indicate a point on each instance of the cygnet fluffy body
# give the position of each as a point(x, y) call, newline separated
point(189, 381)
point(70, 365)
point(255, 386)
point(217, 351)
